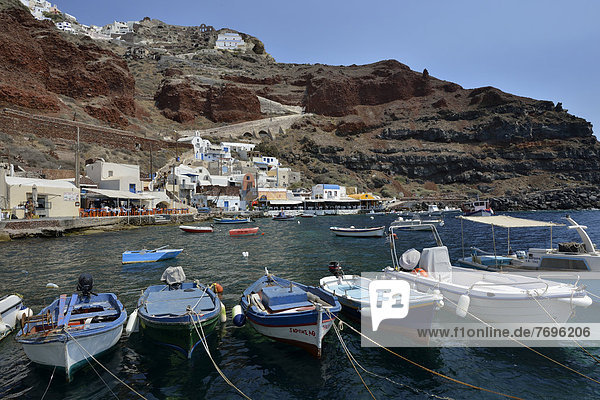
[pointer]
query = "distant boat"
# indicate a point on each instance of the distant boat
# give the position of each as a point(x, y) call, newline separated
point(243, 231)
point(282, 216)
point(477, 208)
point(171, 313)
point(71, 330)
point(140, 256)
point(415, 224)
point(235, 220)
point(307, 215)
point(196, 229)
point(358, 232)
point(11, 312)
point(289, 311)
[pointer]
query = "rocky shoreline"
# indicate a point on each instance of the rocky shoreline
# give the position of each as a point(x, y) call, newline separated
point(586, 197)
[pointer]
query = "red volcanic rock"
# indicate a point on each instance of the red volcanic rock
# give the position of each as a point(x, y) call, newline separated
point(183, 100)
point(38, 62)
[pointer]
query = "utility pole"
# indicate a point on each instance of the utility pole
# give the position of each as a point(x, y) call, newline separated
point(151, 177)
point(77, 156)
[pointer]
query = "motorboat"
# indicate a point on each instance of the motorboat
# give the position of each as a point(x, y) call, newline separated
point(290, 312)
point(71, 330)
point(358, 232)
point(490, 296)
point(142, 256)
point(569, 256)
point(12, 312)
point(178, 313)
point(415, 224)
point(196, 229)
point(282, 216)
point(477, 208)
point(244, 231)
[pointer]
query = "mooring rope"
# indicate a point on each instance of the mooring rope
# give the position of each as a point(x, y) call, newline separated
point(49, 382)
point(205, 345)
point(106, 369)
point(424, 367)
point(531, 348)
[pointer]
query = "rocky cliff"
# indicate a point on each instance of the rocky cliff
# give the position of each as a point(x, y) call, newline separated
point(381, 127)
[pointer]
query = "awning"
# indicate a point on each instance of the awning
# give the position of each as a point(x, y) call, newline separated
point(505, 221)
point(284, 202)
point(121, 194)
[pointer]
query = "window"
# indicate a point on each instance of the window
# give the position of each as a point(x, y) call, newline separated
point(132, 187)
point(110, 173)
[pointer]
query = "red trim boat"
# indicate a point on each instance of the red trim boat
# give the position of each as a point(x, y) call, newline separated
point(196, 229)
point(243, 231)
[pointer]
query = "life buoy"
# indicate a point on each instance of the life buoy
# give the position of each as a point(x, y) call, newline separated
point(419, 271)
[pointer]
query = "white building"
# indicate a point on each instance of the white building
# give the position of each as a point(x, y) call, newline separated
point(229, 41)
point(265, 162)
point(114, 176)
point(328, 192)
point(186, 180)
point(118, 28)
point(64, 26)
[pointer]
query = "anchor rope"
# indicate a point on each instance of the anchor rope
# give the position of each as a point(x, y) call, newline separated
point(49, 382)
point(424, 367)
point(206, 348)
point(103, 381)
point(531, 348)
point(106, 369)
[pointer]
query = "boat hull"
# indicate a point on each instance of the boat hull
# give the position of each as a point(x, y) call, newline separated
point(9, 308)
point(131, 257)
point(196, 229)
point(70, 354)
point(232, 221)
point(243, 232)
point(180, 336)
point(357, 232)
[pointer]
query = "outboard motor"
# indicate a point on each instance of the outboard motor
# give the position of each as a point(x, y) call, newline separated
point(85, 284)
point(336, 269)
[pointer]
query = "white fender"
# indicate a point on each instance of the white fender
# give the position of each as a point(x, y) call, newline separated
point(462, 308)
point(133, 323)
point(223, 316)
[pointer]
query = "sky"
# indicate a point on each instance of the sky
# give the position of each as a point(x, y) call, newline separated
point(547, 50)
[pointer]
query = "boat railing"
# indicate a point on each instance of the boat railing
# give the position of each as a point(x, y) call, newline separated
point(544, 276)
point(393, 235)
point(511, 284)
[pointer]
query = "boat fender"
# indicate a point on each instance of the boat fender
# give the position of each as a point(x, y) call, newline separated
point(51, 285)
point(463, 305)
point(223, 313)
point(25, 312)
point(439, 303)
point(133, 323)
point(4, 329)
point(217, 288)
point(585, 301)
point(239, 319)
point(419, 271)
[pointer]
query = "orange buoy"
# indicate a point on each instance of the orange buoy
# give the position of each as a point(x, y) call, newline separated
point(218, 288)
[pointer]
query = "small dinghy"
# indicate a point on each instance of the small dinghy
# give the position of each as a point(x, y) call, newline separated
point(289, 311)
point(176, 313)
point(358, 232)
point(196, 229)
point(141, 256)
point(282, 216)
point(12, 311)
point(73, 329)
point(243, 231)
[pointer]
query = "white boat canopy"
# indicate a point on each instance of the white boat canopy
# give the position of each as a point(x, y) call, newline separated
point(505, 221)
point(122, 194)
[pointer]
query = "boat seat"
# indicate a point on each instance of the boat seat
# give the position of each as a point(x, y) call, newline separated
point(436, 261)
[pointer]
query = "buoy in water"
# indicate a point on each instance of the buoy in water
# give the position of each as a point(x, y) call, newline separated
point(133, 323)
point(372, 217)
point(51, 285)
point(298, 222)
point(239, 319)
point(223, 313)
point(245, 253)
point(218, 288)
point(463, 305)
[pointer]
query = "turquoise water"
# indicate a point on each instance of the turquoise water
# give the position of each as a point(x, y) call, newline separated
point(264, 369)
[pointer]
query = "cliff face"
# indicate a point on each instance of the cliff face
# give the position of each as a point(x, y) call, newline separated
point(38, 65)
point(381, 127)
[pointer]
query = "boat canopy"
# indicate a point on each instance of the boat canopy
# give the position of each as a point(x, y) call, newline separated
point(122, 194)
point(506, 221)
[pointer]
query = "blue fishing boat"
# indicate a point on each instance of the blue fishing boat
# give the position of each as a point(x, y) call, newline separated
point(234, 220)
point(141, 256)
point(289, 311)
point(178, 313)
point(71, 330)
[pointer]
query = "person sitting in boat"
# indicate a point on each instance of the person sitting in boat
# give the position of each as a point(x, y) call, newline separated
point(281, 214)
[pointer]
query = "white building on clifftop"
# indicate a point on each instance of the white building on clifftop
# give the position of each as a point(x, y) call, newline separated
point(229, 41)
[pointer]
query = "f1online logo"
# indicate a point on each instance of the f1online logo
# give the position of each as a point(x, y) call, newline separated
point(389, 299)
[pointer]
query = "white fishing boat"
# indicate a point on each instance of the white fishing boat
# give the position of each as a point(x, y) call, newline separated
point(571, 256)
point(415, 224)
point(358, 232)
point(493, 297)
point(12, 311)
point(479, 208)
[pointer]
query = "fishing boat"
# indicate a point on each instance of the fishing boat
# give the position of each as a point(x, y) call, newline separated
point(289, 311)
point(490, 296)
point(178, 314)
point(71, 330)
point(477, 208)
point(282, 216)
point(306, 215)
point(12, 311)
point(243, 231)
point(569, 256)
point(196, 229)
point(352, 291)
point(415, 224)
point(142, 256)
point(358, 232)
point(235, 220)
